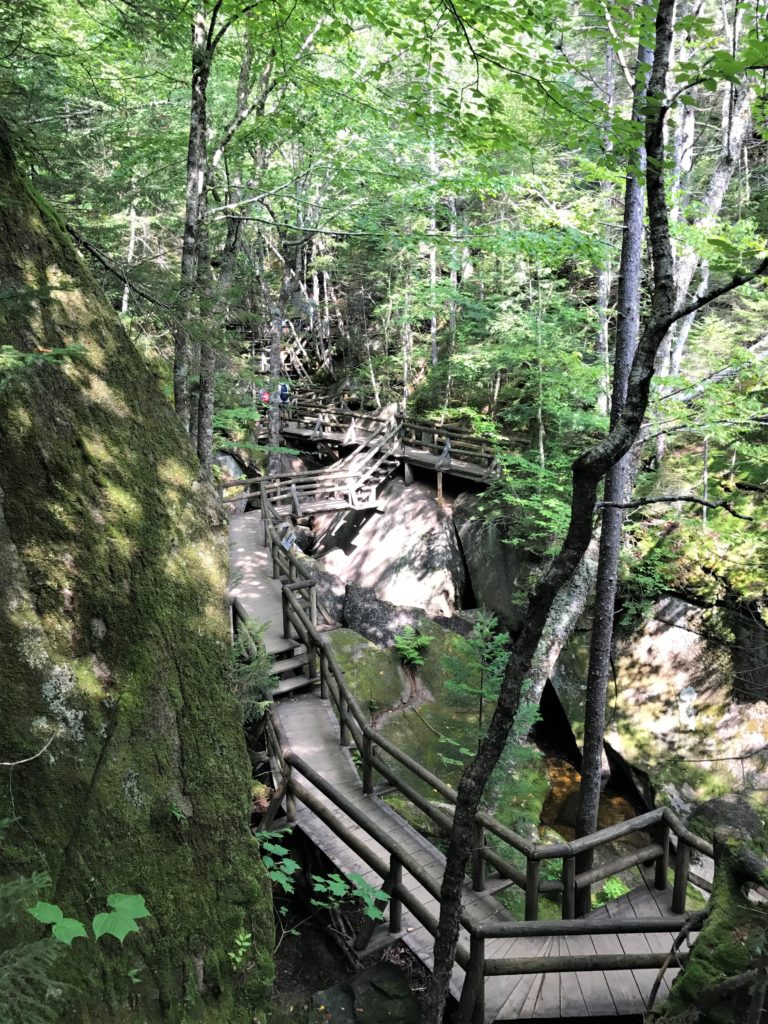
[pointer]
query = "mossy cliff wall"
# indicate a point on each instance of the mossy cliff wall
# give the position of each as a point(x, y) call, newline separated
point(114, 639)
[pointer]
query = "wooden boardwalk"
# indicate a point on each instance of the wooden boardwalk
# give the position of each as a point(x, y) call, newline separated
point(312, 732)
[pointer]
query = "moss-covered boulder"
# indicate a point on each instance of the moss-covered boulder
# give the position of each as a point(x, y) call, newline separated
point(728, 957)
point(114, 651)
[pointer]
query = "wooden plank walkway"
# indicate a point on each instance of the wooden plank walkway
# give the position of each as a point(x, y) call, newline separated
point(313, 734)
point(410, 453)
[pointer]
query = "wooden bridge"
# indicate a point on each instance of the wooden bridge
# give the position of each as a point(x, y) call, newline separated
point(605, 965)
point(374, 447)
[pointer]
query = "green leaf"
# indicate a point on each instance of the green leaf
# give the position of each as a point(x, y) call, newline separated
point(116, 923)
point(68, 929)
point(46, 913)
point(133, 906)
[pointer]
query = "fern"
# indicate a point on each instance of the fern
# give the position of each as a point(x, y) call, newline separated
point(410, 644)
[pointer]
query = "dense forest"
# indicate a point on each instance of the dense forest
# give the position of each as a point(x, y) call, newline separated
point(536, 233)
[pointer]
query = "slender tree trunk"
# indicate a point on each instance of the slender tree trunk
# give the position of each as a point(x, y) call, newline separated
point(197, 173)
point(604, 270)
point(628, 324)
point(453, 307)
point(129, 259)
point(588, 471)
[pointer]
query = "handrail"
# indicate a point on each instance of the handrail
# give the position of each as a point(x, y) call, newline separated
point(474, 962)
point(355, 728)
point(354, 724)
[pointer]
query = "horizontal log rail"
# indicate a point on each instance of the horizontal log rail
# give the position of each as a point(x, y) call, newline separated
point(301, 611)
point(380, 755)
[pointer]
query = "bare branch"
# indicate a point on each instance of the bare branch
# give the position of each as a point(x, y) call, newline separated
point(26, 760)
point(114, 268)
point(715, 293)
point(671, 499)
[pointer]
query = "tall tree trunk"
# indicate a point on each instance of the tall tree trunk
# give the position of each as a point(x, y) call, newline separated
point(627, 328)
point(129, 259)
point(588, 471)
point(604, 270)
point(197, 173)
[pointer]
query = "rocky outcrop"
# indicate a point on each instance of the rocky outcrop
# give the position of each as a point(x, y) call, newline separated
point(498, 572)
point(408, 554)
point(114, 651)
point(378, 995)
point(674, 704)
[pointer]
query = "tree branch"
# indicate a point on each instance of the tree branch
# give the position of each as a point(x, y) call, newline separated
point(715, 293)
point(669, 499)
point(109, 264)
point(26, 760)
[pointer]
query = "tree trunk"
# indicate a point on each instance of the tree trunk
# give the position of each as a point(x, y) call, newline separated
point(628, 325)
point(129, 258)
point(197, 173)
point(604, 270)
point(588, 470)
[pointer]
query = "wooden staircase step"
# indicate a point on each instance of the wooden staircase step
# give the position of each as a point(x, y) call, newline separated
point(293, 684)
point(284, 665)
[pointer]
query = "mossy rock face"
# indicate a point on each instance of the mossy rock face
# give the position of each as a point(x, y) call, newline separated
point(114, 641)
point(373, 675)
point(731, 942)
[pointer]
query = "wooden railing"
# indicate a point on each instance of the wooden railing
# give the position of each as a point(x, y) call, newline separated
point(352, 480)
point(379, 756)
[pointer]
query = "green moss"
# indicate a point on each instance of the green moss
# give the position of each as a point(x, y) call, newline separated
point(114, 637)
point(728, 945)
point(375, 676)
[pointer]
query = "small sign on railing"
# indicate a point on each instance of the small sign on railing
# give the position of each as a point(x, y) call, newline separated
point(288, 541)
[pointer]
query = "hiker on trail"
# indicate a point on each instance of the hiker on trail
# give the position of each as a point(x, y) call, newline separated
point(285, 392)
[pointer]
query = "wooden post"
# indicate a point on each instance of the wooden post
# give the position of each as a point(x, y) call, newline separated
point(439, 488)
point(367, 765)
point(532, 871)
point(408, 473)
point(313, 604)
point(286, 619)
point(395, 906)
point(290, 799)
point(478, 861)
point(343, 730)
point(323, 673)
point(311, 658)
point(682, 868)
point(661, 878)
point(472, 1002)
point(569, 888)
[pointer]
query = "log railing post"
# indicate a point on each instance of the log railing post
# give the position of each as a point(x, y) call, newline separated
point(323, 673)
point(367, 753)
point(311, 657)
point(682, 869)
point(661, 873)
point(478, 861)
point(395, 906)
point(569, 888)
point(472, 1002)
point(313, 604)
point(532, 871)
point(290, 799)
point(286, 616)
point(343, 729)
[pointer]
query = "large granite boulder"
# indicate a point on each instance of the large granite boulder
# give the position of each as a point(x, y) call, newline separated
point(408, 554)
point(498, 572)
point(675, 702)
